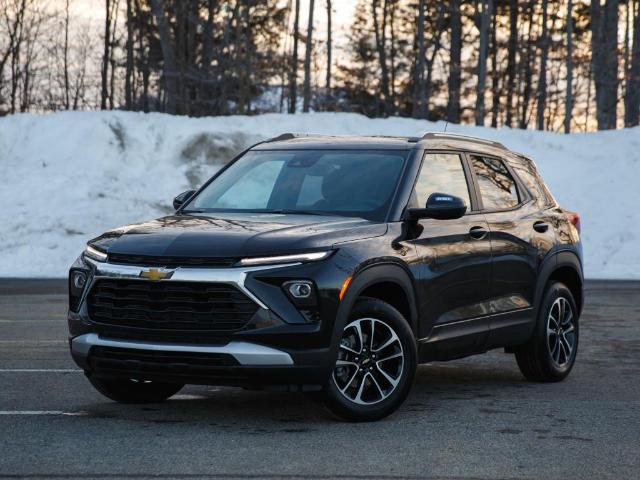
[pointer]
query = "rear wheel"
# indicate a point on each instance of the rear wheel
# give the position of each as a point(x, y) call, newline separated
point(126, 390)
point(550, 354)
point(376, 363)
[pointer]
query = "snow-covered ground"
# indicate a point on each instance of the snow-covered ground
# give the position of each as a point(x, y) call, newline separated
point(67, 177)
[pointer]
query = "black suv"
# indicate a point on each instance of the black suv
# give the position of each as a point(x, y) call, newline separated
point(334, 265)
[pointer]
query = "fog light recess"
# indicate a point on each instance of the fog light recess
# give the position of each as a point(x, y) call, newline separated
point(301, 292)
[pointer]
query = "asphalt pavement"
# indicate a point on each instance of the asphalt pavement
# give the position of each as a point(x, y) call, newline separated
point(475, 418)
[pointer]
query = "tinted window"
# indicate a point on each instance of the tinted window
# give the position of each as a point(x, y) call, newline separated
point(341, 182)
point(497, 187)
point(443, 173)
point(530, 177)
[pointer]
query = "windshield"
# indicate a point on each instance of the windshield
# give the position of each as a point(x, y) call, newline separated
point(352, 183)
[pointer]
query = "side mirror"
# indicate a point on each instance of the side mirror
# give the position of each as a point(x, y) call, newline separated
point(440, 206)
point(182, 198)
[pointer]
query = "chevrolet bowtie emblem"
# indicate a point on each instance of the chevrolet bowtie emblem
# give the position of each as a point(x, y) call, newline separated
point(155, 274)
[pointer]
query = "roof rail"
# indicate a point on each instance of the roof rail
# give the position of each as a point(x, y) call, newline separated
point(291, 136)
point(457, 136)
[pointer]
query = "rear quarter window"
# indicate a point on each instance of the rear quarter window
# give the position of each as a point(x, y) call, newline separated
point(526, 170)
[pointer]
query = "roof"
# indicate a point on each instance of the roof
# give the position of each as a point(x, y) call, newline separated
point(430, 140)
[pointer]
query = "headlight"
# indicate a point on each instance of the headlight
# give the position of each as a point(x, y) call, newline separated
point(95, 254)
point(301, 257)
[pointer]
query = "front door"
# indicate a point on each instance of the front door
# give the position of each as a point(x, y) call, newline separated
point(454, 286)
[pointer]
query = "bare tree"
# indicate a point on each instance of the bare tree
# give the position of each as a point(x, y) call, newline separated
point(128, 76)
point(418, 74)
point(604, 57)
point(65, 56)
point(495, 89)
point(542, 81)
point(526, 62)
point(293, 78)
point(569, 87)
point(381, 47)
point(329, 46)
point(632, 93)
point(511, 59)
point(168, 56)
point(307, 61)
point(455, 63)
point(104, 94)
point(485, 15)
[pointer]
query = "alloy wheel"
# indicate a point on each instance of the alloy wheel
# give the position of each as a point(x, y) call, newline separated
point(561, 331)
point(370, 361)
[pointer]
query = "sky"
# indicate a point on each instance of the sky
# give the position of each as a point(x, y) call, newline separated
point(343, 10)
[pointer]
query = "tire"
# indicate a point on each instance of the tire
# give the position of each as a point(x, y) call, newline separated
point(372, 379)
point(125, 390)
point(550, 354)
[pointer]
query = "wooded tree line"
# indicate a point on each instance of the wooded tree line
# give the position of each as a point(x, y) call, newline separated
point(562, 65)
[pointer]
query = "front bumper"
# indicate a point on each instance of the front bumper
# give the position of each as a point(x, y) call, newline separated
point(244, 353)
point(281, 349)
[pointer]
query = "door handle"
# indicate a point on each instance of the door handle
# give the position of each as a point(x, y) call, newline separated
point(478, 232)
point(541, 227)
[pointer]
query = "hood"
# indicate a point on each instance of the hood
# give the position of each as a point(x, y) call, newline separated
point(235, 235)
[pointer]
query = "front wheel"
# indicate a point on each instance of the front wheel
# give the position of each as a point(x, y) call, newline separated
point(376, 363)
point(126, 390)
point(550, 354)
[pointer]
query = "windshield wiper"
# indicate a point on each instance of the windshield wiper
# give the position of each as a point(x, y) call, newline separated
point(283, 211)
point(192, 211)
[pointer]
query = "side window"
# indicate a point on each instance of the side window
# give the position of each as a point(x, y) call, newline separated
point(530, 177)
point(497, 187)
point(441, 172)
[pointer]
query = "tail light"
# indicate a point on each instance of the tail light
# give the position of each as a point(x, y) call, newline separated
point(574, 218)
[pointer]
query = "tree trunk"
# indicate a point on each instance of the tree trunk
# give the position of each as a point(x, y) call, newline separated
point(293, 79)
point(143, 58)
point(206, 77)
point(393, 52)
point(67, 86)
point(328, 81)
point(569, 88)
point(455, 61)
point(248, 55)
point(112, 57)
point(495, 90)
point(604, 57)
point(427, 85)
point(511, 58)
point(527, 60)
point(487, 6)
point(632, 94)
point(381, 47)
point(168, 57)
point(418, 74)
point(307, 61)
point(104, 93)
point(542, 81)
point(128, 97)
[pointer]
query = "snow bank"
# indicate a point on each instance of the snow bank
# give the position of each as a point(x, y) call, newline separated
point(69, 176)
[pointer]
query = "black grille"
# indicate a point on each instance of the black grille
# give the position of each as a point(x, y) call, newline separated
point(170, 262)
point(144, 363)
point(169, 306)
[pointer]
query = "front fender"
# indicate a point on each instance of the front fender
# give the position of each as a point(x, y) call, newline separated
point(369, 275)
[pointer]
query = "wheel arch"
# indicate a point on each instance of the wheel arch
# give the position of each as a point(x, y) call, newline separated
point(389, 282)
point(565, 267)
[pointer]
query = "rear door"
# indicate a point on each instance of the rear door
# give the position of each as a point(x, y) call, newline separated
point(520, 236)
point(455, 256)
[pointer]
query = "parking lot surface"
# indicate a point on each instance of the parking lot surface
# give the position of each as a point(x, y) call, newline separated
point(475, 418)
